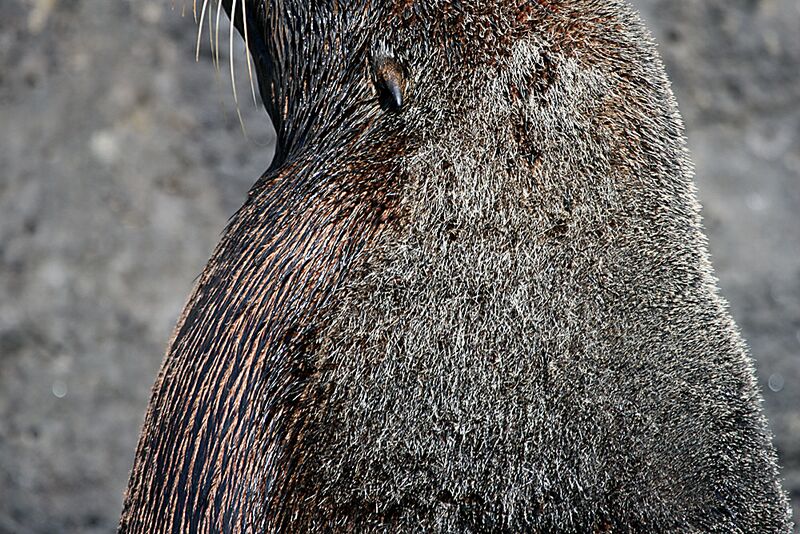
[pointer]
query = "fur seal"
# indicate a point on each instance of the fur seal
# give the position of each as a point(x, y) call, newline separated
point(471, 294)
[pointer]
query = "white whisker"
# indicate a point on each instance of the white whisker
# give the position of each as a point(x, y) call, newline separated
point(247, 51)
point(211, 39)
point(200, 28)
point(216, 51)
point(233, 73)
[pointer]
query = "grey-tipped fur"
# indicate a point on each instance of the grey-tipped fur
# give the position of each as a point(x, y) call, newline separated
point(517, 328)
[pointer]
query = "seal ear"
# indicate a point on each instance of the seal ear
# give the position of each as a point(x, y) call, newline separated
point(389, 79)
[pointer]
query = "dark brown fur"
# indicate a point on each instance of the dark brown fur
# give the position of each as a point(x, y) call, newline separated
point(488, 308)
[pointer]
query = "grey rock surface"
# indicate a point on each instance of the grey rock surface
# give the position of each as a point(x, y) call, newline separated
point(121, 159)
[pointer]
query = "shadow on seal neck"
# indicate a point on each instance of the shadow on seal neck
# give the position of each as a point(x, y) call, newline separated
point(471, 294)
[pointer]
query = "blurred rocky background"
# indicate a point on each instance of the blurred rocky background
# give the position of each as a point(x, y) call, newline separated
point(121, 159)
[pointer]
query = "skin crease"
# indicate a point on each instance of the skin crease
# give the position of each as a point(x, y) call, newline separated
point(471, 294)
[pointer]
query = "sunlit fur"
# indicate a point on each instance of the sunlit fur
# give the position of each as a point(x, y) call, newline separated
point(491, 310)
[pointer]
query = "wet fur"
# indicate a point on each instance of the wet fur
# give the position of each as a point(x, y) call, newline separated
point(491, 311)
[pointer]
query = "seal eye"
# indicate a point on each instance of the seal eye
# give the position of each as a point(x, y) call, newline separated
point(391, 84)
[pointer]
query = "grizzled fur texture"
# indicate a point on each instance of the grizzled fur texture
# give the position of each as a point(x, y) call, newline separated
point(489, 310)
